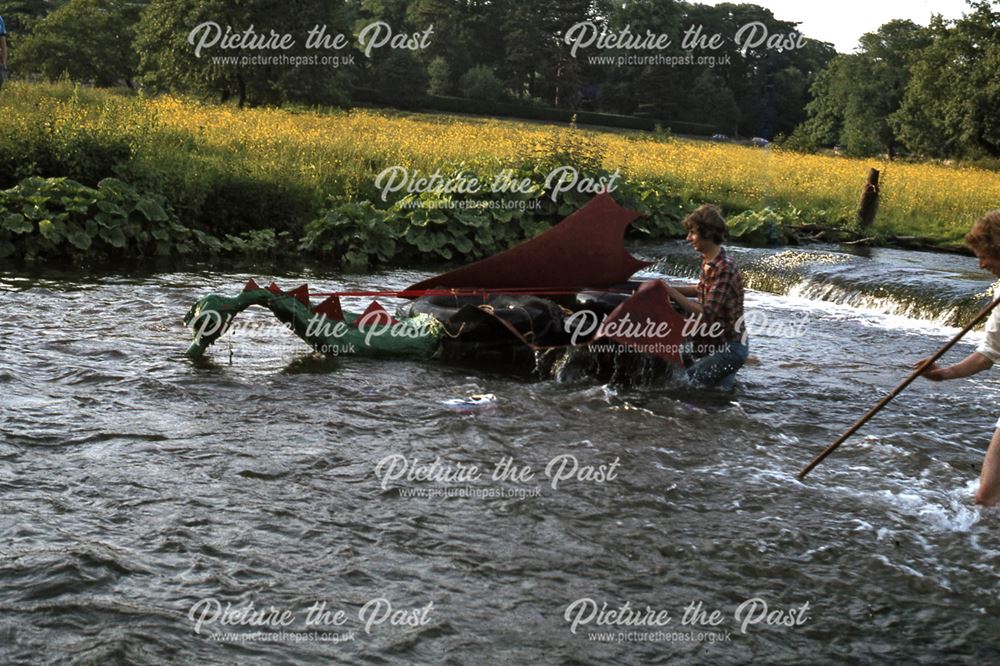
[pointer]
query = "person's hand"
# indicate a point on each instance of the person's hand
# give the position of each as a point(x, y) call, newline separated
point(931, 372)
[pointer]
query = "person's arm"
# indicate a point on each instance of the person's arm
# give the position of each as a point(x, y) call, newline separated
point(689, 304)
point(719, 285)
point(688, 291)
point(970, 365)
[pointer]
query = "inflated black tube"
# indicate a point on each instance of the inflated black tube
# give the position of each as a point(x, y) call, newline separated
point(442, 307)
point(601, 302)
point(538, 320)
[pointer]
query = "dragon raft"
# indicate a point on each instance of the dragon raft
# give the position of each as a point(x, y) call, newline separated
point(561, 305)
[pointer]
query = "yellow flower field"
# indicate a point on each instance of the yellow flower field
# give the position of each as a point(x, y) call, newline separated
point(340, 152)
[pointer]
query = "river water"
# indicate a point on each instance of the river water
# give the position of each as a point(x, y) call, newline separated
point(141, 492)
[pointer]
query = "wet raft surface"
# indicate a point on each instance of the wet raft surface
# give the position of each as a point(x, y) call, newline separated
point(134, 483)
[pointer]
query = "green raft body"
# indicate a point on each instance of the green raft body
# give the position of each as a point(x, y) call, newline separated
point(373, 333)
point(533, 308)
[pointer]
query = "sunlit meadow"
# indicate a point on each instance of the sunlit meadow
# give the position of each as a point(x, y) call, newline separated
point(340, 152)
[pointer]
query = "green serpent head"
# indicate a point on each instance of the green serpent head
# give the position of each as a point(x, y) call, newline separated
point(208, 319)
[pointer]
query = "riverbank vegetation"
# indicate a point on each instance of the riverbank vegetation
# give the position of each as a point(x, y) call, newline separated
point(201, 179)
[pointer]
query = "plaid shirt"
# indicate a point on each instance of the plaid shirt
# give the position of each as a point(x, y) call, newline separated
point(720, 292)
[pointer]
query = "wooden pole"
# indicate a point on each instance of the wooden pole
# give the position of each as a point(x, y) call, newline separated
point(899, 389)
point(869, 200)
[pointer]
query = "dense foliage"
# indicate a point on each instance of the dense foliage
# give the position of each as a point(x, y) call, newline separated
point(270, 182)
point(931, 91)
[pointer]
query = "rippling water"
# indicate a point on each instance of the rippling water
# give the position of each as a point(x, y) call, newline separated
point(135, 483)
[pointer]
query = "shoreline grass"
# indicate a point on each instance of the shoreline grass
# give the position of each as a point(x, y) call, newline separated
point(226, 170)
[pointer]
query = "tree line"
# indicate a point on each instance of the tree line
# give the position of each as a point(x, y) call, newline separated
point(928, 90)
point(932, 91)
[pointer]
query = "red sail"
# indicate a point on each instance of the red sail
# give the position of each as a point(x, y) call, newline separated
point(584, 250)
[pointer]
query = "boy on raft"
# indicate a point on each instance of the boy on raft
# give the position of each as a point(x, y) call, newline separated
point(719, 345)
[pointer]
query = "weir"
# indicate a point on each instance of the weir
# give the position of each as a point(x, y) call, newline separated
point(942, 288)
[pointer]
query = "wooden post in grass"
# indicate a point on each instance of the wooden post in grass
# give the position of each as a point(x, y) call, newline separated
point(869, 200)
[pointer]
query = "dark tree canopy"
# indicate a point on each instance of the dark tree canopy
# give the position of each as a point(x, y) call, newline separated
point(57, 46)
point(854, 97)
point(951, 106)
point(169, 61)
point(932, 90)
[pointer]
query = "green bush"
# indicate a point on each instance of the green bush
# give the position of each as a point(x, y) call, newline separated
point(56, 218)
point(61, 219)
point(440, 77)
point(481, 83)
point(358, 235)
point(422, 227)
point(799, 140)
point(767, 226)
point(662, 210)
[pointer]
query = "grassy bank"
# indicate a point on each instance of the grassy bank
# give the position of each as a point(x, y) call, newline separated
point(276, 181)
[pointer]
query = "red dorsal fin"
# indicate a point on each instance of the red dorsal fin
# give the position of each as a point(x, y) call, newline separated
point(330, 308)
point(301, 293)
point(659, 327)
point(375, 314)
point(251, 285)
point(584, 250)
point(274, 288)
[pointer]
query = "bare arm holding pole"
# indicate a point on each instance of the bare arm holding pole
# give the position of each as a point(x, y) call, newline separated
point(984, 240)
point(970, 365)
point(926, 364)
